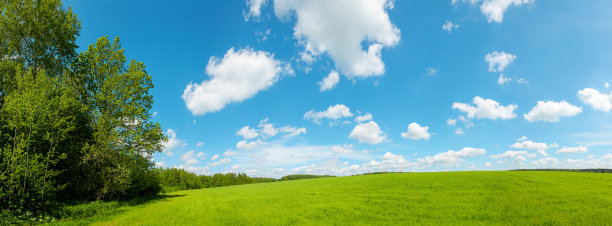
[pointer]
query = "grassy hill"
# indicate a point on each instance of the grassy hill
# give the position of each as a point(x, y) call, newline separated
point(474, 198)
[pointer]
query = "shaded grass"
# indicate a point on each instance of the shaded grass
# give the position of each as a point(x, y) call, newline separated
point(474, 198)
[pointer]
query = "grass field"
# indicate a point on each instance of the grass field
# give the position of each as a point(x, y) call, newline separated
point(449, 198)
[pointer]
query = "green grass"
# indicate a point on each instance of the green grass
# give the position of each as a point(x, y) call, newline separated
point(448, 198)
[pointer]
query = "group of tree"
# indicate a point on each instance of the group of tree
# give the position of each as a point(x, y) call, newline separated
point(72, 125)
point(172, 179)
point(302, 176)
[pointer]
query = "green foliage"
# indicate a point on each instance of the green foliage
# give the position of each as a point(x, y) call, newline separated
point(173, 179)
point(445, 198)
point(302, 176)
point(38, 34)
point(72, 127)
point(38, 116)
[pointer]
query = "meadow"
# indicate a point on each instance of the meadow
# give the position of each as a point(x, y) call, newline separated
point(447, 198)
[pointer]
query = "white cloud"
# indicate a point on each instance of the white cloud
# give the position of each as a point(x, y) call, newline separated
point(243, 144)
point(416, 132)
point(579, 149)
point(486, 108)
point(238, 76)
point(451, 158)
point(214, 157)
point(345, 149)
point(339, 28)
point(291, 131)
point(247, 132)
point(515, 156)
point(363, 118)
point(494, 9)
point(191, 162)
point(262, 35)
point(459, 131)
point(267, 129)
point(335, 112)
point(368, 132)
point(599, 101)
point(540, 147)
point(551, 111)
point(329, 82)
point(199, 144)
point(196, 169)
point(172, 142)
point(201, 155)
point(160, 164)
point(221, 162)
point(607, 85)
point(254, 8)
point(503, 80)
point(451, 122)
point(498, 61)
point(523, 138)
point(430, 71)
point(154, 114)
point(545, 162)
point(488, 164)
point(229, 153)
point(189, 158)
point(449, 26)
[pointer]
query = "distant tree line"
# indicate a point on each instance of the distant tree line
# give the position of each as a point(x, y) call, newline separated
point(570, 170)
point(302, 176)
point(172, 179)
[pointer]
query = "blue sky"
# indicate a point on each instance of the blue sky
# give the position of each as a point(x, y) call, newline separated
point(281, 87)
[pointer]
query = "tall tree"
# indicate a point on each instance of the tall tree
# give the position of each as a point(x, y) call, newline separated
point(118, 98)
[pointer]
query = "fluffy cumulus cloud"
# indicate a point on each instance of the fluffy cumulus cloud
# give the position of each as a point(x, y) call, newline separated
point(339, 28)
point(291, 131)
point(494, 9)
point(498, 61)
point(487, 109)
point(189, 158)
point(247, 132)
point(551, 111)
point(254, 8)
point(599, 101)
point(329, 82)
point(363, 118)
point(265, 130)
point(546, 162)
point(451, 158)
point(449, 26)
point(238, 76)
point(172, 143)
point(334, 112)
point(515, 156)
point(416, 132)
point(368, 132)
point(540, 147)
point(244, 144)
point(566, 150)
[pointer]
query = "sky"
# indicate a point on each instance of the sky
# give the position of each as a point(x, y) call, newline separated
point(278, 87)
